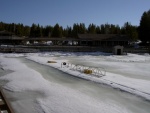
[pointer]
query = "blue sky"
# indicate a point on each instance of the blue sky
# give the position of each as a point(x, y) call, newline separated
point(68, 12)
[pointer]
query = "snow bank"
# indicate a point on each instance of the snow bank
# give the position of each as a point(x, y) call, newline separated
point(22, 77)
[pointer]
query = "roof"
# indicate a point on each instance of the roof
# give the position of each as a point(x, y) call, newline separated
point(104, 37)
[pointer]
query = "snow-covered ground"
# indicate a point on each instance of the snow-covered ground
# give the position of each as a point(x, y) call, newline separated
point(129, 73)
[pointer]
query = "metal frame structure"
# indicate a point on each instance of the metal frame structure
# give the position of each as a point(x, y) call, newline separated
point(96, 71)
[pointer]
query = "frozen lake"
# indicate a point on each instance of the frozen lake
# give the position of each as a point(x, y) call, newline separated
point(93, 90)
point(114, 99)
point(131, 69)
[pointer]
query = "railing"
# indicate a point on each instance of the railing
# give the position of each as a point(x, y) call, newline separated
point(5, 37)
point(19, 50)
point(96, 71)
point(11, 38)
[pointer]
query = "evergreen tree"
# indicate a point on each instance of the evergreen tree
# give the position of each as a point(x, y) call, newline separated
point(107, 28)
point(98, 30)
point(26, 31)
point(19, 30)
point(69, 31)
point(81, 28)
point(38, 31)
point(47, 31)
point(32, 30)
point(117, 30)
point(102, 29)
point(92, 29)
point(131, 31)
point(75, 30)
point(1, 26)
point(57, 31)
point(112, 29)
point(144, 28)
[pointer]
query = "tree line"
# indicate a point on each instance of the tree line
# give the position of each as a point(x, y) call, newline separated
point(141, 32)
point(58, 31)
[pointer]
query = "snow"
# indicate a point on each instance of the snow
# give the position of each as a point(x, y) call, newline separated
point(133, 85)
point(129, 58)
point(59, 99)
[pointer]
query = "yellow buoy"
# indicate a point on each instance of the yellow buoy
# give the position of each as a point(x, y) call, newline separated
point(87, 71)
point(51, 62)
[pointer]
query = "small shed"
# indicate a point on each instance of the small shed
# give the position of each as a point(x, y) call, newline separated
point(118, 50)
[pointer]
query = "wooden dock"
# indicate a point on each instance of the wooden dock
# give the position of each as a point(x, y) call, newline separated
point(5, 106)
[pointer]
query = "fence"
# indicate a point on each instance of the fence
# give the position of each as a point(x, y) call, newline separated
point(19, 50)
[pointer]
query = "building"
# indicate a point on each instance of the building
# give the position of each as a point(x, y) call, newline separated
point(103, 40)
point(100, 40)
point(9, 38)
point(118, 50)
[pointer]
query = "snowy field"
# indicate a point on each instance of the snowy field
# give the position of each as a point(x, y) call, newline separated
point(124, 88)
